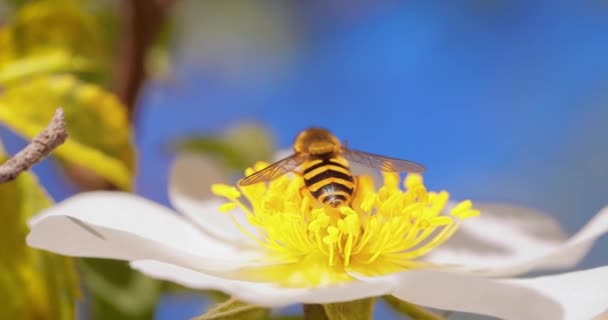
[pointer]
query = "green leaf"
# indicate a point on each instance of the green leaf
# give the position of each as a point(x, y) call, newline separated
point(352, 310)
point(233, 309)
point(237, 148)
point(34, 284)
point(118, 291)
point(97, 122)
point(411, 310)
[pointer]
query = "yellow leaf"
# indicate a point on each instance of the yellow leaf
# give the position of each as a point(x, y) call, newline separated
point(33, 284)
point(42, 26)
point(50, 62)
point(97, 123)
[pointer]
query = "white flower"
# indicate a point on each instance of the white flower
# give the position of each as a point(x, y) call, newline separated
point(204, 249)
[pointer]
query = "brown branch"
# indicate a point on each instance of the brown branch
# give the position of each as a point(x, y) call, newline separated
point(41, 146)
point(142, 20)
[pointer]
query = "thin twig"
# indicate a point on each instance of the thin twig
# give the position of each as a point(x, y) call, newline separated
point(41, 146)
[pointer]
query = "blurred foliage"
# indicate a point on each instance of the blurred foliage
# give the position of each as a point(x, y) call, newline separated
point(314, 311)
point(54, 30)
point(230, 34)
point(56, 53)
point(233, 309)
point(351, 310)
point(34, 284)
point(60, 53)
point(52, 62)
point(236, 148)
point(158, 63)
point(100, 137)
point(410, 310)
point(119, 293)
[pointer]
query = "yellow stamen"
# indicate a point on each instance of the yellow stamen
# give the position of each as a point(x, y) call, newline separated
point(227, 191)
point(226, 207)
point(383, 230)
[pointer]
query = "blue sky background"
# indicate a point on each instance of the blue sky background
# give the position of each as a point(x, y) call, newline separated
point(501, 100)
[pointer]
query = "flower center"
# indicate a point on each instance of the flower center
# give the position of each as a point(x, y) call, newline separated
point(382, 231)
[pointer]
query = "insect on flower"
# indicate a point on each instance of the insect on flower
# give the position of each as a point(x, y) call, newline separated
point(325, 168)
point(267, 245)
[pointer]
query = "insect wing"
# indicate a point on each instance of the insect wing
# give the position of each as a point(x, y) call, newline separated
point(383, 163)
point(273, 171)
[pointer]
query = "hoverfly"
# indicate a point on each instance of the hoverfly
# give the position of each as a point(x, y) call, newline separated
point(325, 169)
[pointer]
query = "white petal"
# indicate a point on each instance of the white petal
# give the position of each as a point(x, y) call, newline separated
point(124, 226)
point(570, 296)
point(508, 240)
point(190, 193)
point(263, 294)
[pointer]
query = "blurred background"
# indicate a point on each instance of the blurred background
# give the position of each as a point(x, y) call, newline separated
point(503, 101)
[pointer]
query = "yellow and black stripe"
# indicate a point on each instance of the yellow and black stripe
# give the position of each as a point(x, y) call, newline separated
point(329, 180)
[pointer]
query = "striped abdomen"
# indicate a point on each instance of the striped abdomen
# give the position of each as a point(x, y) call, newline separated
point(329, 180)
